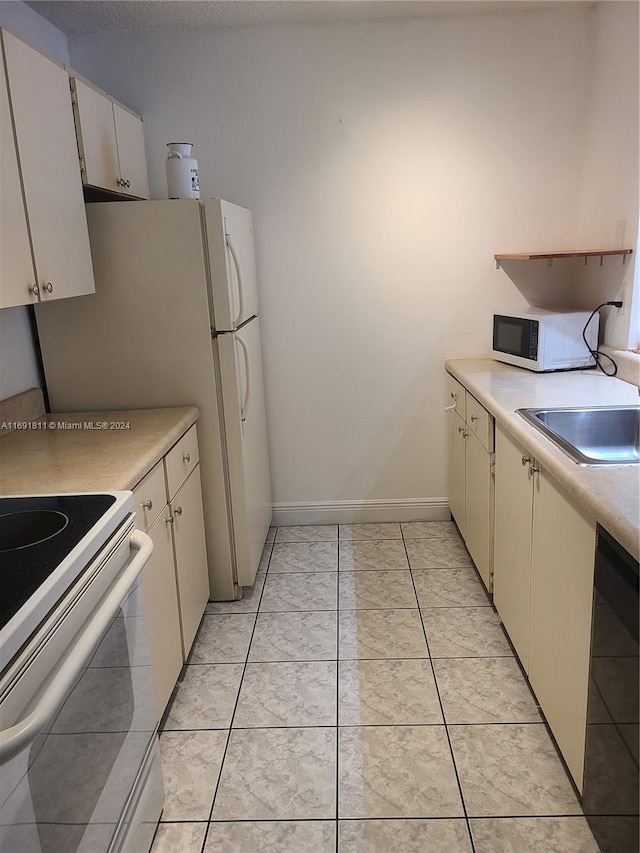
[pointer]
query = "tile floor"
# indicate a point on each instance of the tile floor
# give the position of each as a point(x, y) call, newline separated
point(362, 698)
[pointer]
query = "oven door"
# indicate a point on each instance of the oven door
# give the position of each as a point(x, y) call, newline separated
point(82, 717)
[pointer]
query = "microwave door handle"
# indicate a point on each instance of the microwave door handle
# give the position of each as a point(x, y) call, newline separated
point(236, 264)
point(16, 738)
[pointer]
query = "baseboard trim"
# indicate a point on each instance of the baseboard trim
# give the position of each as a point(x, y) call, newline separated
point(351, 512)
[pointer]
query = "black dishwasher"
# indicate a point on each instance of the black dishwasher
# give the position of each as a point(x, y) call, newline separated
point(610, 796)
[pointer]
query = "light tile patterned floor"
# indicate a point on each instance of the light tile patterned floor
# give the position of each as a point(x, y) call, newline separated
point(362, 698)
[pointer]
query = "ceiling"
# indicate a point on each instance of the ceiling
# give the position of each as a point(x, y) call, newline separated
point(80, 17)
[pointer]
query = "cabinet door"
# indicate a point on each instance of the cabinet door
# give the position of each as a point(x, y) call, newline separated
point(16, 265)
point(48, 155)
point(191, 557)
point(131, 152)
point(562, 566)
point(512, 546)
point(456, 469)
point(479, 507)
point(163, 619)
point(96, 132)
point(456, 396)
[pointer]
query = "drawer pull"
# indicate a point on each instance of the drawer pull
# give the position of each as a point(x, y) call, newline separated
point(148, 504)
point(187, 457)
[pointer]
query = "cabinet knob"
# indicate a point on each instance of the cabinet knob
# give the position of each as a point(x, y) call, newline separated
point(453, 395)
point(48, 287)
point(526, 461)
point(148, 504)
point(464, 434)
point(178, 510)
point(120, 182)
point(169, 520)
point(127, 183)
point(35, 290)
point(187, 457)
point(533, 470)
point(474, 418)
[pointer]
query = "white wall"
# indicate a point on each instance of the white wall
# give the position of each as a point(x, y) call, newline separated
point(385, 164)
point(608, 210)
point(18, 368)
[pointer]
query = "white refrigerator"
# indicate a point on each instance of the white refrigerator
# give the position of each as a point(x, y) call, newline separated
point(174, 321)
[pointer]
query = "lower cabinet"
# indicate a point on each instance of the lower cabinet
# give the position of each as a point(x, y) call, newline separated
point(479, 500)
point(168, 505)
point(562, 568)
point(543, 591)
point(163, 617)
point(514, 484)
point(456, 470)
point(191, 556)
point(470, 478)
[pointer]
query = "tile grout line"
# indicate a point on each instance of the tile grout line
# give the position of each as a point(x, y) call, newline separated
point(233, 713)
point(444, 719)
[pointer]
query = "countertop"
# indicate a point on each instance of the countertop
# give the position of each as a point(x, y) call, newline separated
point(87, 451)
point(610, 493)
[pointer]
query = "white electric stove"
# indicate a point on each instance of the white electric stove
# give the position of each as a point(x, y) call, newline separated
point(79, 760)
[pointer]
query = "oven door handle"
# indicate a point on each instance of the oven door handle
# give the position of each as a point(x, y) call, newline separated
point(16, 738)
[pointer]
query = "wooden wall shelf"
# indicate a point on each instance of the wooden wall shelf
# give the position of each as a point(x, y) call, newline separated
point(551, 256)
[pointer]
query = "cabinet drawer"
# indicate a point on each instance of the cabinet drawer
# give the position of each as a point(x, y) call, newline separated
point(150, 497)
point(456, 394)
point(181, 460)
point(479, 422)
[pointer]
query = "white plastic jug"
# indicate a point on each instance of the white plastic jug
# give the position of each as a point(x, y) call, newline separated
point(182, 171)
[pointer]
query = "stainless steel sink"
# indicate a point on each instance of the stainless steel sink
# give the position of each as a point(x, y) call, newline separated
point(594, 435)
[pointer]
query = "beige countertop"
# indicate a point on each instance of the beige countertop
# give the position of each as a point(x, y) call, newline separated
point(610, 493)
point(87, 451)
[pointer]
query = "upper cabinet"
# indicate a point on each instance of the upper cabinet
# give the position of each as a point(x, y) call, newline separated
point(16, 264)
point(42, 198)
point(110, 143)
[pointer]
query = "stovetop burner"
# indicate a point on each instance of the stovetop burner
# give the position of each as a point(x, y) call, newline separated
point(36, 534)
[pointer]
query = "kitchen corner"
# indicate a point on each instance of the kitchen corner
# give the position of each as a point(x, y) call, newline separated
point(610, 494)
point(151, 452)
point(82, 451)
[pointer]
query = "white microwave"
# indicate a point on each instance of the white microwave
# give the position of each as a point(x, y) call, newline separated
point(545, 340)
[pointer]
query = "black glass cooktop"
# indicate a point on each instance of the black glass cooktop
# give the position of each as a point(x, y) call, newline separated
point(36, 534)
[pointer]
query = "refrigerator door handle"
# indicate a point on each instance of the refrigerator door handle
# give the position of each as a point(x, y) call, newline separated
point(236, 264)
point(245, 403)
